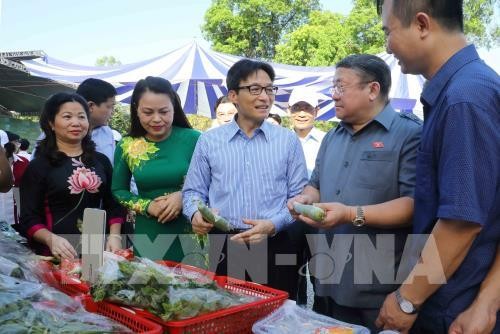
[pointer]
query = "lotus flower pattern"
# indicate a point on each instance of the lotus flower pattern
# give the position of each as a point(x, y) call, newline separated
point(84, 179)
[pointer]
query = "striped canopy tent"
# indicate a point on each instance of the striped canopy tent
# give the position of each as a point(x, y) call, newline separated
point(198, 74)
point(20, 91)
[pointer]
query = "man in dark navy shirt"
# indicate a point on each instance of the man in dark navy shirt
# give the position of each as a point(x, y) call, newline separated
point(457, 197)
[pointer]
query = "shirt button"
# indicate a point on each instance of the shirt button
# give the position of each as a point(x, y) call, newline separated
point(337, 192)
point(346, 164)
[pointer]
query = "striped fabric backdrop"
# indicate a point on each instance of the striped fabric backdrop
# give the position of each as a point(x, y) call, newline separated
point(199, 76)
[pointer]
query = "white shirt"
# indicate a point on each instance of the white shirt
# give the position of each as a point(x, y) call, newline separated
point(310, 145)
point(104, 141)
point(24, 154)
point(4, 139)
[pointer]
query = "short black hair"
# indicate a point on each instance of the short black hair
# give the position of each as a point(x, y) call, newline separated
point(449, 13)
point(221, 100)
point(25, 144)
point(10, 149)
point(96, 90)
point(276, 117)
point(243, 68)
point(369, 68)
point(12, 136)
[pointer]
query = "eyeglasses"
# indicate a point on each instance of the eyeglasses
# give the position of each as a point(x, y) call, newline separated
point(257, 90)
point(340, 89)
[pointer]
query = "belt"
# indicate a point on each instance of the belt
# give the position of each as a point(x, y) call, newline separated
point(233, 231)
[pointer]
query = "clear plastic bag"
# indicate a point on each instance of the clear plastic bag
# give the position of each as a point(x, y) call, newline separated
point(7, 231)
point(21, 288)
point(290, 318)
point(10, 268)
point(29, 307)
point(167, 292)
point(186, 303)
point(22, 256)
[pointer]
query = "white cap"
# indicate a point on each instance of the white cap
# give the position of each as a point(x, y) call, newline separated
point(303, 94)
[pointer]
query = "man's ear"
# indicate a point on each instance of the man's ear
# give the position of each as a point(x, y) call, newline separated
point(91, 105)
point(423, 23)
point(374, 90)
point(232, 95)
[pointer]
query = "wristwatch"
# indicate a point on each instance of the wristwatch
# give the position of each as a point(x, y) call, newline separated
point(359, 220)
point(405, 305)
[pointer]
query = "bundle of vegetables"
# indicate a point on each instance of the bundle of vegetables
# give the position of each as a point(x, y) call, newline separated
point(27, 307)
point(10, 268)
point(17, 260)
point(219, 222)
point(310, 211)
point(71, 267)
point(161, 290)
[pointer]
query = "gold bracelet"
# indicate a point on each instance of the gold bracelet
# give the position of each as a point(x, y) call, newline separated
point(115, 236)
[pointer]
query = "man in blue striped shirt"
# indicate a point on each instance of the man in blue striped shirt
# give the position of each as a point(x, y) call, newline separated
point(247, 170)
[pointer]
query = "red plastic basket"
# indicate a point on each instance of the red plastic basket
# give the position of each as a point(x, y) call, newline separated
point(234, 320)
point(122, 315)
point(71, 286)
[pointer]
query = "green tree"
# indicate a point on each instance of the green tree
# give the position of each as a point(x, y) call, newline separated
point(253, 28)
point(321, 42)
point(365, 28)
point(107, 61)
point(477, 15)
point(120, 121)
point(329, 37)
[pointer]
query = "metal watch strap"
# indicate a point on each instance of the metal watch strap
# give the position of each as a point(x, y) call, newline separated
point(405, 305)
point(359, 220)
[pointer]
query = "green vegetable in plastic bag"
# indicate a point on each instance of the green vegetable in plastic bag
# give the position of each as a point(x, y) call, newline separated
point(218, 221)
point(310, 211)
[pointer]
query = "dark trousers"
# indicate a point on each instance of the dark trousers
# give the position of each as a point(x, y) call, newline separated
point(297, 233)
point(272, 262)
point(353, 315)
point(427, 324)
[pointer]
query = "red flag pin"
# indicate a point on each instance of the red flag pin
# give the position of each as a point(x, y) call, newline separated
point(378, 144)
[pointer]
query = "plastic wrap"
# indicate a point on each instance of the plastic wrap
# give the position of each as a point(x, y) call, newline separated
point(292, 319)
point(186, 303)
point(22, 256)
point(7, 231)
point(10, 268)
point(166, 292)
point(28, 307)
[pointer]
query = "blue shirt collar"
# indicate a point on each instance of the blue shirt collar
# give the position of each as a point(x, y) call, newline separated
point(384, 118)
point(232, 129)
point(435, 86)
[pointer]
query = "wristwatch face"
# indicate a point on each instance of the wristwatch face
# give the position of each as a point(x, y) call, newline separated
point(358, 222)
point(406, 307)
